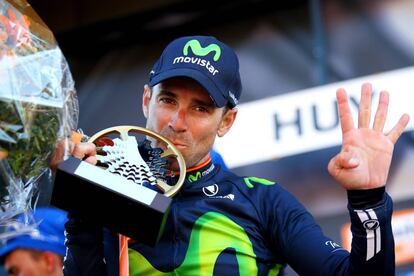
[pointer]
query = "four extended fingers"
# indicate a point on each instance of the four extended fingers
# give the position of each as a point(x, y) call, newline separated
point(364, 115)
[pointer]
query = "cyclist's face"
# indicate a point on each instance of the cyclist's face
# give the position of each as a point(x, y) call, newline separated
point(181, 110)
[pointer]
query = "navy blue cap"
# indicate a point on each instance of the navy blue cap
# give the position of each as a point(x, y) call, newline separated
point(205, 59)
point(47, 233)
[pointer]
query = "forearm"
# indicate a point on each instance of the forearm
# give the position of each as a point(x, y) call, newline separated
point(372, 243)
point(310, 252)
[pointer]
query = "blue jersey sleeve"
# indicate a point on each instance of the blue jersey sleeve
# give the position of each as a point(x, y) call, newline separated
point(301, 243)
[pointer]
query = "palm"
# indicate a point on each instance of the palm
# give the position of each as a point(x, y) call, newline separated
point(366, 153)
point(374, 151)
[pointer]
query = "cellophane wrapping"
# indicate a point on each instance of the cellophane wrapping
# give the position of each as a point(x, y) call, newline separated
point(38, 109)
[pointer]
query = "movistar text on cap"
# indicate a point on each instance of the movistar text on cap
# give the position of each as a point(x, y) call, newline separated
point(198, 61)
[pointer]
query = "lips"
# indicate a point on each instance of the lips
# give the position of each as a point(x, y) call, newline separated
point(179, 142)
point(179, 146)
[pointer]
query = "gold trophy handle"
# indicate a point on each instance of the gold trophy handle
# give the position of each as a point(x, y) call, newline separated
point(170, 152)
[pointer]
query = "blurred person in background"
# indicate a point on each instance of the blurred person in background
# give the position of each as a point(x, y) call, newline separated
point(36, 251)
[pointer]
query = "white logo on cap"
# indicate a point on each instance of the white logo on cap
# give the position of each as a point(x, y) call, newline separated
point(233, 97)
point(198, 61)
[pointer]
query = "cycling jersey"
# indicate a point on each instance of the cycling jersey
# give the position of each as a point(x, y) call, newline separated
point(223, 224)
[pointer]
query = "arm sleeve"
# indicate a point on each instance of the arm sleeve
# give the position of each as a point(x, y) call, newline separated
point(84, 249)
point(309, 252)
point(372, 239)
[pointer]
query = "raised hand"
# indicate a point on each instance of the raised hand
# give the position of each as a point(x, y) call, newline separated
point(365, 157)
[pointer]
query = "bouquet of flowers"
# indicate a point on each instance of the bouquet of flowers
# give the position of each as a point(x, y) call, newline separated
point(38, 104)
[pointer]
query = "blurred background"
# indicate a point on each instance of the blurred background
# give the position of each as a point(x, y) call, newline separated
point(289, 51)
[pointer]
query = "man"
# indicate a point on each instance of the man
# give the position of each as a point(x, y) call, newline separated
point(223, 224)
point(38, 250)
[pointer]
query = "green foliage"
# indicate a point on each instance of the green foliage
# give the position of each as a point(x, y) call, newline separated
point(34, 129)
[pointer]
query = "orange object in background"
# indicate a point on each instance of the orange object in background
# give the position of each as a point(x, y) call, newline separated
point(76, 137)
point(3, 154)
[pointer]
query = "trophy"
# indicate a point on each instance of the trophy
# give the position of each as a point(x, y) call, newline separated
point(129, 190)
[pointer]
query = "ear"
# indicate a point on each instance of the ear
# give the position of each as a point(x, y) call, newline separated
point(51, 261)
point(146, 97)
point(227, 122)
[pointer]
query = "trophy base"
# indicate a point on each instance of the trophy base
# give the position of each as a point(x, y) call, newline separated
point(110, 201)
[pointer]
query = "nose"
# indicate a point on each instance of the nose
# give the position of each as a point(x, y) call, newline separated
point(178, 121)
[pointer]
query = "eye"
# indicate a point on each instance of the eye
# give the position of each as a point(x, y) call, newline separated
point(166, 100)
point(201, 109)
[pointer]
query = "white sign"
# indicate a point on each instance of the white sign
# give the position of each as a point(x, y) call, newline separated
point(307, 120)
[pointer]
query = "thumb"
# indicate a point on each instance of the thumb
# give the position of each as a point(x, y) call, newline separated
point(344, 160)
point(91, 160)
